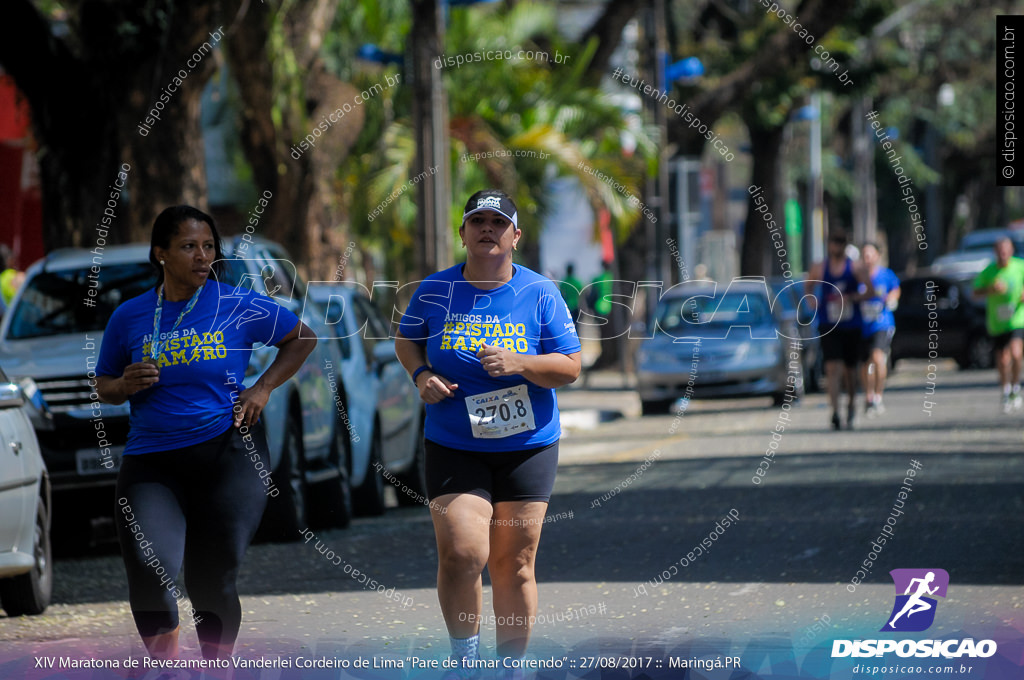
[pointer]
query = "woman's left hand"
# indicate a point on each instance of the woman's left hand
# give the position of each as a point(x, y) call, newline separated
point(498, 361)
point(250, 405)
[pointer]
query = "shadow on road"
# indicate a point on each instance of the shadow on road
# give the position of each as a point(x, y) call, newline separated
point(810, 532)
point(812, 520)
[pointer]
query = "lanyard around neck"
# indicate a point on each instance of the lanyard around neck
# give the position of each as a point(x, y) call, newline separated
point(154, 343)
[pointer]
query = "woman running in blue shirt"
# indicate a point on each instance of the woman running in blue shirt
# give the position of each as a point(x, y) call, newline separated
point(487, 342)
point(189, 491)
point(883, 293)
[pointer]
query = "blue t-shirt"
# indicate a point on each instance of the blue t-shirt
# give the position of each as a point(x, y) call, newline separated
point(452, 319)
point(840, 312)
point(202, 362)
point(876, 314)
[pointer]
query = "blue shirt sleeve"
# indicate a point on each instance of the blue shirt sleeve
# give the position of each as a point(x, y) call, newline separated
point(557, 332)
point(413, 326)
point(416, 322)
point(114, 356)
point(894, 281)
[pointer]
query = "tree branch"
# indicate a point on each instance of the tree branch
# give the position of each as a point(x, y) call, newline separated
point(608, 31)
point(783, 50)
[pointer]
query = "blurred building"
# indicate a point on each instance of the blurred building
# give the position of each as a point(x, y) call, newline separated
point(21, 210)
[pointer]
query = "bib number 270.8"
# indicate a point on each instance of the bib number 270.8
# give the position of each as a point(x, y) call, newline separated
point(501, 413)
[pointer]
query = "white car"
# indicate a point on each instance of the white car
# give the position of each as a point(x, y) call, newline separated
point(26, 570)
point(379, 396)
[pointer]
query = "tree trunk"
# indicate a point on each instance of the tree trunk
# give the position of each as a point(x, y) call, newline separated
point(90, 95)
point(87, 102)
point(302, 215)
point(759, 256)
point(167, 164)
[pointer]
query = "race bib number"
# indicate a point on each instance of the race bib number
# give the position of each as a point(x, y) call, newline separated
point(837, 311)
point(871, 310)
point(1005, 312)
point(501, 413)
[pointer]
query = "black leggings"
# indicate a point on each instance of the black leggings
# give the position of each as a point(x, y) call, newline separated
point(197, 507)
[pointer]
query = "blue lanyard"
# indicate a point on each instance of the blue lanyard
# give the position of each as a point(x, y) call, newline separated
point(154, 343)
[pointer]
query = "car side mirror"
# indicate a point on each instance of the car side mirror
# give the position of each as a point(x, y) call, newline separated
point(384, 352)
point(11, 396)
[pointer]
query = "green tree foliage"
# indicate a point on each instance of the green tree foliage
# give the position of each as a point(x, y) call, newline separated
point(951, 45)
point(514, 123)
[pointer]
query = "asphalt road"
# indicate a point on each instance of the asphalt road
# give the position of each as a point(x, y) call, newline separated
point(773, 581)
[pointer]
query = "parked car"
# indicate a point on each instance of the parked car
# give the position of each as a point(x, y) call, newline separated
point(26, 570)
point(387, 398)
point(959, 321)
point(744, 345)
point(789, 294)
point(975, 252)
point(962, 263)
point(985, 239)
point(51, 339)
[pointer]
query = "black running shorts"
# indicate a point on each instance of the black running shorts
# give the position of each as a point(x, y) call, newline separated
point(496, 476)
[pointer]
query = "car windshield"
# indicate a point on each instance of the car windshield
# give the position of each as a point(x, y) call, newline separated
point(231, 272)
point(979, 246)
point(694, 313)
point(985, 242)
point(57, 302)
point(785, 293)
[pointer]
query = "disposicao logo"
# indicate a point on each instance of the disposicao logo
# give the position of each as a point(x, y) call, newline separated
point(914, 611)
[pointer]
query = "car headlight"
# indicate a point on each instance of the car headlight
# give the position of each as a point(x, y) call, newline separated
point(656, 357)
point(742, 351)
point(769, 350)
point(757, 350)
point(32, 395)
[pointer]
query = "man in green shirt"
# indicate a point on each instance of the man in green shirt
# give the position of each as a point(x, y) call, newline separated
point(10, 278)
point(599, 298)
point(1002, 285)
point(570, 288)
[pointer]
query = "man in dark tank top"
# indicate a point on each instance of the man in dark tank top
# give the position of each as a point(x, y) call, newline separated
point(836, 284)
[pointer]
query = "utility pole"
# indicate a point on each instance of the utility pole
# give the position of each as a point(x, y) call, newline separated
point(865, 205)
point(815, 202)
point(430, 127)
point(656, 48)
point(664, 205)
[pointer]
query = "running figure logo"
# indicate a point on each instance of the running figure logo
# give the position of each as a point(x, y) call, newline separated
point(916, 585)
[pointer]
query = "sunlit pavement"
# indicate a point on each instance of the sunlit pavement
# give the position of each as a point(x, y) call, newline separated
point(643, 493)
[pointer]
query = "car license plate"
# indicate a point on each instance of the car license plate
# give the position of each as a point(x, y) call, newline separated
point(92, 462)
